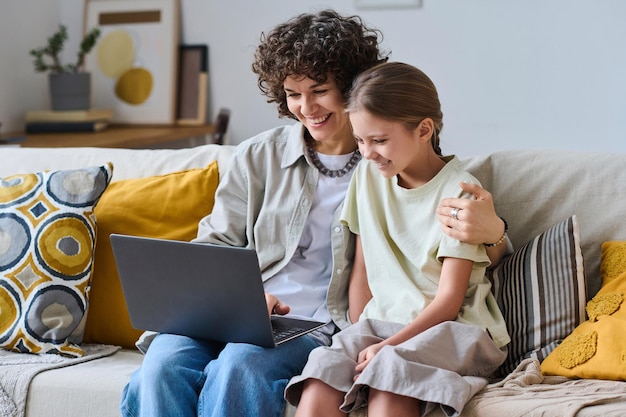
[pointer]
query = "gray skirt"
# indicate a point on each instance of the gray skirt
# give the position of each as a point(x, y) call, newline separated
point(444, 365)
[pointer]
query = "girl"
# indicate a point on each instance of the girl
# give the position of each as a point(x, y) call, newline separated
point(429, 330)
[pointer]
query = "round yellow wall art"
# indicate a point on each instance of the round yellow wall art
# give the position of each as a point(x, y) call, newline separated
point(134, 86)
point(116, 53)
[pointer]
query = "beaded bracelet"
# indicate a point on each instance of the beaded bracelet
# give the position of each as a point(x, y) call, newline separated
point(502, 238)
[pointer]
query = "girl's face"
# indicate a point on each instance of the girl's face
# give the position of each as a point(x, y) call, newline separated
point(388, 145)
point(320, 108)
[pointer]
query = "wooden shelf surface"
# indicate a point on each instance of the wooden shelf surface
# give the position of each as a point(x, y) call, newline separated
point(116, 136)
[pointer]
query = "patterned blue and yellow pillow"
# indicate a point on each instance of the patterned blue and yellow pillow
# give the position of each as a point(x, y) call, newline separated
point(47, 239)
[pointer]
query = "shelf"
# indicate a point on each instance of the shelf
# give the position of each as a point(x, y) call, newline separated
point(118, 136)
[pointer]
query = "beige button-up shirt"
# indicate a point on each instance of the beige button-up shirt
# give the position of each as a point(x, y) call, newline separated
point(263, 202)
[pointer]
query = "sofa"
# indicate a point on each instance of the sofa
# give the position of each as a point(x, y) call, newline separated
point(566, 213)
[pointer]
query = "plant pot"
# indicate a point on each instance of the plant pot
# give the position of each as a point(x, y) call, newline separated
point(70, 91)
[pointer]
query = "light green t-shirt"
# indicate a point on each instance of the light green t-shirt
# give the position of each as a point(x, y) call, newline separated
point(404, 246)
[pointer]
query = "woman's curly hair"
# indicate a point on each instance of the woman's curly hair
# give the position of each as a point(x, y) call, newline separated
point(315, 45)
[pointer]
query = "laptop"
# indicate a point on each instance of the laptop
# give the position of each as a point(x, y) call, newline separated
point(199, 290)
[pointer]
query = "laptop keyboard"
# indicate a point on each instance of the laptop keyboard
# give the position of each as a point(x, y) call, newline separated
point(282, 333)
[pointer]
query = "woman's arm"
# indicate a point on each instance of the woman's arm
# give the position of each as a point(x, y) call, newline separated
point(476, 222)
point(453, 283)
point(359, 292)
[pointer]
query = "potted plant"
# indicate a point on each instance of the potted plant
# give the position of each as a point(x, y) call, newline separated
point(70, 87)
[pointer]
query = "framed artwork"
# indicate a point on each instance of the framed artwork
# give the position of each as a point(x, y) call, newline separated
point(134, 64)
point(192, 85)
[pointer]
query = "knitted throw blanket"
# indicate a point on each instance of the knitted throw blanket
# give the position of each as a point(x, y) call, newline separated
point(18, 369)
point(527, 392)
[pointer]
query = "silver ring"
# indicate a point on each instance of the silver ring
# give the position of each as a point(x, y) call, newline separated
point(455, 213)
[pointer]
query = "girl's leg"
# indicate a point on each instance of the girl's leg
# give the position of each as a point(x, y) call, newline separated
point(320, 399)
point(249, 381)
point(170, 377)
point(382, 403)
point(449, 362)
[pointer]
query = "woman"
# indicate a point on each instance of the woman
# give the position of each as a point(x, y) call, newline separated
point(282, 196)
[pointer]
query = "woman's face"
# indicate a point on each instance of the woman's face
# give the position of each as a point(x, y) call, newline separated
point(320, 108)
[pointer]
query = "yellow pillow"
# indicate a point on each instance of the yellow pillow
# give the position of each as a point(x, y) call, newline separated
point(596, 349)
point(613, 260)
point(167, 206)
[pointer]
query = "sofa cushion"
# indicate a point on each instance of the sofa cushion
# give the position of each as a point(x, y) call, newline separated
point(47, 238)
point(536, 189)
point(541, 291)
point(166, 206)
point(88, 389)
point(597, 349)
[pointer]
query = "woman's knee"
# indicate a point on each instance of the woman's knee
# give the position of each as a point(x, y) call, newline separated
point(169, 355)
point(241, 358)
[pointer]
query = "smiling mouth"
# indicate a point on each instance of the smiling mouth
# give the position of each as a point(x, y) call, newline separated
point(382, 165)
point(319, 120)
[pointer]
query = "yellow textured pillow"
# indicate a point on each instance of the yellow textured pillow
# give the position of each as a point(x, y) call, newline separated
point(613, 260)
point(596, 349)
point(167, 206)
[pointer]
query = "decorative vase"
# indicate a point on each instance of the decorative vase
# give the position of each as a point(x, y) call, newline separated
point(70, 91)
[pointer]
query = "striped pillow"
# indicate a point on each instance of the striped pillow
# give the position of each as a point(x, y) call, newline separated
point(541, 291)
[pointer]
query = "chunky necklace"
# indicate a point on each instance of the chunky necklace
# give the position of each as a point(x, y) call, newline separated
point(356, 157)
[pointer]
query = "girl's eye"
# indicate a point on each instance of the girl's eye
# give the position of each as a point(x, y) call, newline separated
point(320, 92)
point(291, 95)
point(379, 141)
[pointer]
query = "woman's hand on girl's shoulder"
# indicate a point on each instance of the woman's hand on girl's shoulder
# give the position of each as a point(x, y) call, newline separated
point(472, 221)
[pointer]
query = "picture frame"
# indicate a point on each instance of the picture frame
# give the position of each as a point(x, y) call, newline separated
point(192, 85)
point(134, 65)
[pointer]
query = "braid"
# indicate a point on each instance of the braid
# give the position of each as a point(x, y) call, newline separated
point(435, 142)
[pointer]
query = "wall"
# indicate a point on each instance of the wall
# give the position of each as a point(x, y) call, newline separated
point(25, 25)
point(511, 74)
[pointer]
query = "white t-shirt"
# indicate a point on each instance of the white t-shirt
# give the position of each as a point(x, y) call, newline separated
point(403, 247)
point(303, 283)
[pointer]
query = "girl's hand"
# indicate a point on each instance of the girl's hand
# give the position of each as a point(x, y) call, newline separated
point(274, 306)
point(365, 356)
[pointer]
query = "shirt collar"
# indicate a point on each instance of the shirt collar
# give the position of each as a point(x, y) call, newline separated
point(295, 145)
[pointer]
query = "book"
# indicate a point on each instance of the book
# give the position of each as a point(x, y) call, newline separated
point(68, 115)
point(14, 141)
point(192, 85)
point(60, 127)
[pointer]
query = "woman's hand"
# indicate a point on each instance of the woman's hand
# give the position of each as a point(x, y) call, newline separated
point(274, 306)
point(365, 356)
point(476, 220)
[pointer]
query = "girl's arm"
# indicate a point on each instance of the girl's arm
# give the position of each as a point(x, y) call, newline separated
point(359, 292)
point(453, 283)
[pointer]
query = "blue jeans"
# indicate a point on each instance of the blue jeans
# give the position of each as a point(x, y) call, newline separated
point(181, 376)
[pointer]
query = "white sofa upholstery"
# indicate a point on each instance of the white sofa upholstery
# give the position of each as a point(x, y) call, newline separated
point(533, 190)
